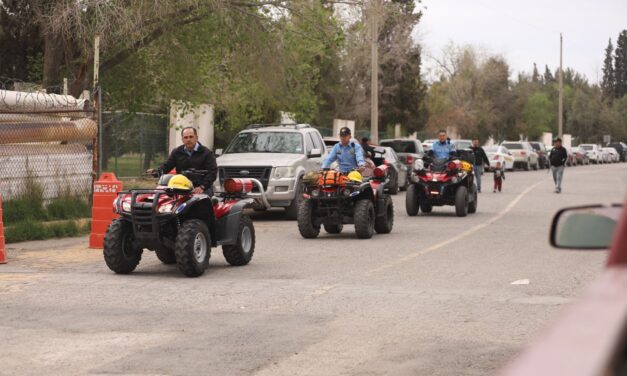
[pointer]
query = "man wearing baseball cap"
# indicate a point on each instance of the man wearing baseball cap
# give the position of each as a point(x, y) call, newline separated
point(348, 154)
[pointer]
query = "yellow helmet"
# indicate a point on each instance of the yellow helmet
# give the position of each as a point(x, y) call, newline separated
point(355, 176)
point(180, 182)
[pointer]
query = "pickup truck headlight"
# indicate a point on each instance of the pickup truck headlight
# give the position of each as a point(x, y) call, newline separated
point(284, 172)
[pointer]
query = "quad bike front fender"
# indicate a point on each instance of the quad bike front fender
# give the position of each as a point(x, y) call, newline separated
point(227, 227)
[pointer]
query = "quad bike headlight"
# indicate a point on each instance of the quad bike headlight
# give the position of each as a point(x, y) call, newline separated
point(126, 206)
point(166, 208)
point(346, 192)
point(315, 192)
point(284, 172)
point(419, 165)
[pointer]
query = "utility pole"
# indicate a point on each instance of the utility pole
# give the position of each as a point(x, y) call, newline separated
point(374, 62)
point(560, 118)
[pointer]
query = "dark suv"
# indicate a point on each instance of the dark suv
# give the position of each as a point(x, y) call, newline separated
point(543, 157)
point(621, 148)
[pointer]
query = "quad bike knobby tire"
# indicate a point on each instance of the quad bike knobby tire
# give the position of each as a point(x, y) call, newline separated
point(242, 251)
point(461, 201)
point(384, 224)
point(333, 229)
point(166, 256)
point(119, 253)
point(472, 206)
point(306, 226)
point(193, 248)
point(364, 217)
point(411, 200)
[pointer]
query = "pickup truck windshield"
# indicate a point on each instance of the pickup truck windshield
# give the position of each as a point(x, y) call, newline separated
point(266, 142)
point(514, 146)
point(401, 146)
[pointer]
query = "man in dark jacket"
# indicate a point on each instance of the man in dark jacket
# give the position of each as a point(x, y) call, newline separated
point(557, 158)
point(192, 155)
point(481, 159)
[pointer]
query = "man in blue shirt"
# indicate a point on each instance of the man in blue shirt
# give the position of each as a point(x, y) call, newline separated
point(442, 149)
point(349, 155)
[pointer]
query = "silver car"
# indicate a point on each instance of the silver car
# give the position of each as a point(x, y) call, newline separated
point(277, 156)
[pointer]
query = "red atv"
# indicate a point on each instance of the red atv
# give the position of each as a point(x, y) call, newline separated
point(181, 227)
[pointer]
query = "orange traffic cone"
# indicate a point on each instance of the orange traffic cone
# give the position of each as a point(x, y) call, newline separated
point(3, 254)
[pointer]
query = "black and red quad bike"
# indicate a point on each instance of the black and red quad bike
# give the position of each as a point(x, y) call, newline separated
point(180, 226)
point(332, 200)
point(443, 182)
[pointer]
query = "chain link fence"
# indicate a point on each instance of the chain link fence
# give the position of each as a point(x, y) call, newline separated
point(133, 142)
point(46, 143)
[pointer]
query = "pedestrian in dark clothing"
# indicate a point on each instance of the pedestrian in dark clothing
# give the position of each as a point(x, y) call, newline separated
point(192, 155)
point(368, 149)
point(481, 159)
point(557, 158)
point(499, 176)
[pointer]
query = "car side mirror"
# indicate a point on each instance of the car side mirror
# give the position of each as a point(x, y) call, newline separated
point(585, 227)
point(315, 153)
point(219, 152)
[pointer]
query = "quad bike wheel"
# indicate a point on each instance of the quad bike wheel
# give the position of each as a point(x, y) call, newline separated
point(333, 228)
point(306, 226)
point(411, 200)
point(120, 254)
point(384, 224)
point(166, 256)
point(364, 219)
point(472, 206)
point(242, 251)
point(193, 248)
point(461, 202)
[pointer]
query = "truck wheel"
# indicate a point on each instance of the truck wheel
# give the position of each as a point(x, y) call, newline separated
point(306, 226)
point(384, 224)
point(472, 206)
point(119, 252)
point(166, 256)
point(242, 251)
point(364, 219)
point(527, 165)
point(193, 248)
point(411, 200)
point(291, 212)
point(426, 208)
point(461, 202)
point(536, 166)
point(333, 229)
point(394, 188)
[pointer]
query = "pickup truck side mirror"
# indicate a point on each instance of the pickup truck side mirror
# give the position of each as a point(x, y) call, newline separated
point(315, 153)
point(219, 152)
point(585, 227)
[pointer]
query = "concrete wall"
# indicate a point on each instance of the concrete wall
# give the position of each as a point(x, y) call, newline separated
point(339, 123)
point(200, 117)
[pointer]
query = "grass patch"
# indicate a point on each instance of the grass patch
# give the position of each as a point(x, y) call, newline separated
point(68, 207)
point(32, 230)
point(131, 165)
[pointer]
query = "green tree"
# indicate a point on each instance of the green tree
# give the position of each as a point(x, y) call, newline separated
point(608, 81)
point(535, 76)
point(538, 115)
point(548, 76)
point(620, 65)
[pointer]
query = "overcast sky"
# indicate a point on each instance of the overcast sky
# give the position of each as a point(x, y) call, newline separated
point(527, 31)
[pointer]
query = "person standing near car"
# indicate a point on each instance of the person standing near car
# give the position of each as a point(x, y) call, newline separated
point(348, 154)
point(558, 158)
point(192, 155)
point(368, 149)
point(481, 159)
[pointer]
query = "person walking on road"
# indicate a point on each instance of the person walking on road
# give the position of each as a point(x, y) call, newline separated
point(481, 159)
point(499, 176)
point(558, 159)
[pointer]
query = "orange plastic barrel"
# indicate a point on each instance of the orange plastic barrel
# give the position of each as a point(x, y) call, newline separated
point(105, 191)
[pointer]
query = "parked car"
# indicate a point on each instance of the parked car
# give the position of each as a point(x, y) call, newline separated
point(572, 158)
point(426, 144)
point(605, 156)
point(594, 152)
point(613, 156)
point(278, 156)
point(329, 142)
point(408, 150)
point(543, 155)
point(397, 171)
point(500, 154)
point(621, 148)
point(580, 155)
point(462, 144)
point(589, 337)
point(524, 155)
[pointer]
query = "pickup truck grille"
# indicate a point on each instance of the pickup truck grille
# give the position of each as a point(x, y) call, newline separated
point(260, 173)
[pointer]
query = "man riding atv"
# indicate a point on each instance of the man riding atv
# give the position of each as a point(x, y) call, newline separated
point(442, 149)
point(349, 155)
point(191, 155)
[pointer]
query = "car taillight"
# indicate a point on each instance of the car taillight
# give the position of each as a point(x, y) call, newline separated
point(410, 159)
point(233, 186)
point(380, 171)
point(523, 153)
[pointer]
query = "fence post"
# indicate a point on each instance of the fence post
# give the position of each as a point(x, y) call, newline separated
point(3, 254)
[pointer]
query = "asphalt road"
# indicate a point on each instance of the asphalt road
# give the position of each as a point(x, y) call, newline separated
point(434, 297)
